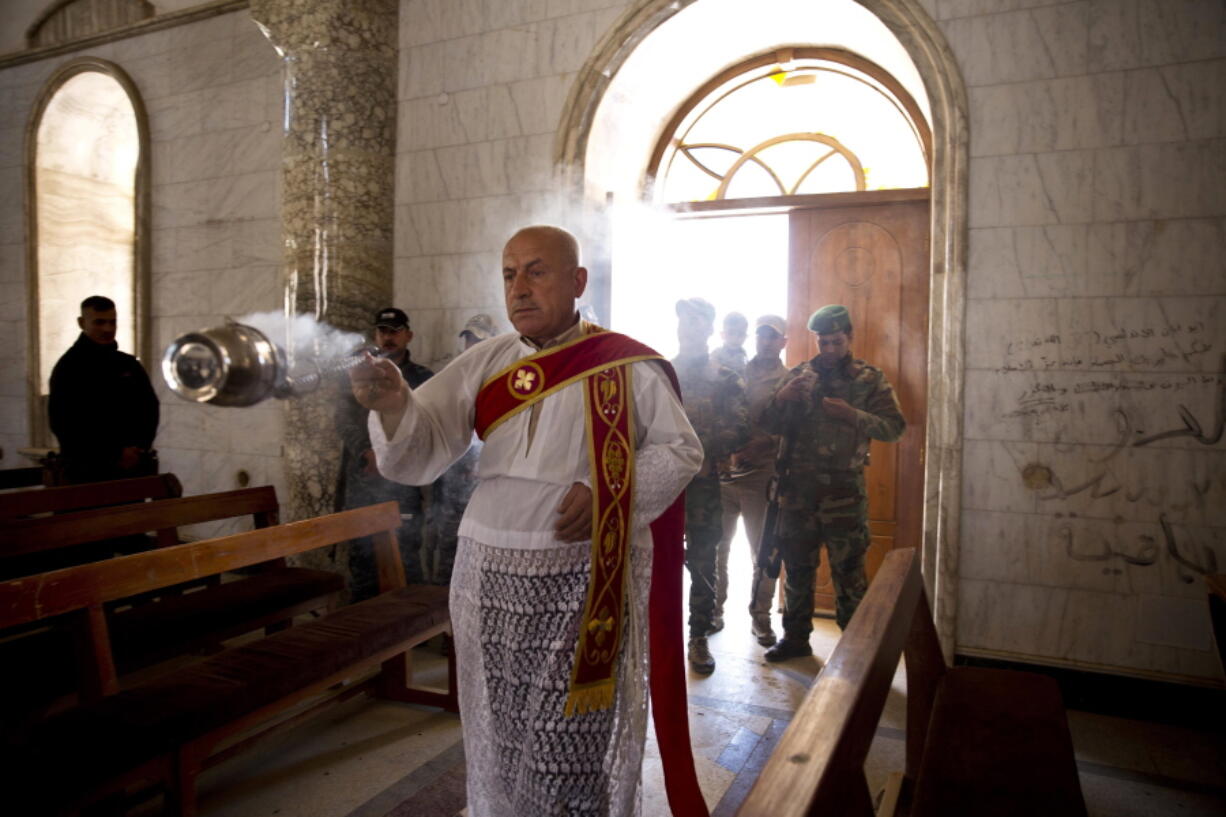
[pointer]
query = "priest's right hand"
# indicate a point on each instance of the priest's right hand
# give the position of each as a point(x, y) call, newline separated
point(378, 386)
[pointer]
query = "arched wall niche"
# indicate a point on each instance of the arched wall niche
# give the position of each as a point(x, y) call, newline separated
point(135, 297)
point(607, 131)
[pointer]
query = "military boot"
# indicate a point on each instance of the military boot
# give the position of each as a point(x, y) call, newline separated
point(700, 657)
point(789, 647)
point(763, 632)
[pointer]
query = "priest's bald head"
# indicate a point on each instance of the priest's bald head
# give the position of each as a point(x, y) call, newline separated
point(541, 279)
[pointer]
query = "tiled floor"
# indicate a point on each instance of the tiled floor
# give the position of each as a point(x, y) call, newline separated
point(370, 758)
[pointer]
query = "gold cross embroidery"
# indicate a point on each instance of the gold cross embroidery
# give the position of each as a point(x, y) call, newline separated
point(523, 380)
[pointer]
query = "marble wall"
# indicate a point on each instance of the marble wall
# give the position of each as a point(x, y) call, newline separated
point(212, 90)
point(1095, 495)
point(482, 87)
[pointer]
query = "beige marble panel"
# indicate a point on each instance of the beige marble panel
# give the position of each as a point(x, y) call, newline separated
point(450, 65)
point(1197, 89)
point(181, 293)
point(1068, 113)
point(496, 167)
point(1047, 188)
point(539, 102)
point(406, 242)
point(13, 412)
point(448, 281)
point(1143, 335)
point(994, 479)
point(487, 113)
point(178, 205)
point(1152, 113)
point(1168, 257)
point(241, 290)
point(254, 243)
point(1028, 262)
point(419, 178)
point(12, 141)
point(243, 104)
point(12, 265)
point(1160, 181)
point(203, 247)
point(566, 42)
point(1011, 618)
point(516, 53)
point(1024, 45)
point(1007, 333)
point(250, 196)
point(1102, 482)
point(1133, 33)
point(426, 21)
point(946, 9)
point(430, 122)
point(200, 64)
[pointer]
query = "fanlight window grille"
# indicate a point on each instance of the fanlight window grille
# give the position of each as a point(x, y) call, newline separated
point(812, 126)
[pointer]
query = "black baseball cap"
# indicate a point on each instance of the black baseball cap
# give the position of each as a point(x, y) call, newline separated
point(392, 318)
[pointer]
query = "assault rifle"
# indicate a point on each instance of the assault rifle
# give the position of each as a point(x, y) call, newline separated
point(770, 548)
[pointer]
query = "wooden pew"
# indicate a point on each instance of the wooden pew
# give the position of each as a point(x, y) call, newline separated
point(16, 504)
point(150, 628)
point(20, 477)
point(979, 741)
point(166, 729)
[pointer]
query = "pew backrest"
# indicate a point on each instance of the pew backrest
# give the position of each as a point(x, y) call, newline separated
point(16, 504)
point(818, 765)
point(21, 477)
point(20, 537)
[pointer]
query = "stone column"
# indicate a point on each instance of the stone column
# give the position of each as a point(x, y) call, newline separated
point(337, 176)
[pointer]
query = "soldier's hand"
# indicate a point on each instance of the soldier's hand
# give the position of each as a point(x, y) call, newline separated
point(129, 457)
point(378, 386)
point(798, 388)
point(838, 409)
point(575, 515)
point(370, 466)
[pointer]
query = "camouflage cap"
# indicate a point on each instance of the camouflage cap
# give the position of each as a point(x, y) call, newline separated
point(830, 319)
point(697, 308)
point(774, 322)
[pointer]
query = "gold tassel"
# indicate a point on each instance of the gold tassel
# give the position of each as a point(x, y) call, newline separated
point(592, 698)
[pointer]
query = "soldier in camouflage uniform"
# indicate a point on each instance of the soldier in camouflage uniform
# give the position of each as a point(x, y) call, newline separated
point(732, 352)
point(716, 405)
point(360, 483)
point(829, 407)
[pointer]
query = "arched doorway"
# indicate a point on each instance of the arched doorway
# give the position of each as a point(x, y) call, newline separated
point(914, 52)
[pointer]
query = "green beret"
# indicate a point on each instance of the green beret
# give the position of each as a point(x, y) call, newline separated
point(830, 319)
point(697, 308)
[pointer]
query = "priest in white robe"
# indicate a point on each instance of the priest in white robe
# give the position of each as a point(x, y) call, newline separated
point(543, 735)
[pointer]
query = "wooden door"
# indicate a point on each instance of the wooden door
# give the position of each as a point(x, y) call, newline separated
point(873, 259)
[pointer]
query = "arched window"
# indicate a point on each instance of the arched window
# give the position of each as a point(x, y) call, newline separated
point(88, 187)
point(792, 122)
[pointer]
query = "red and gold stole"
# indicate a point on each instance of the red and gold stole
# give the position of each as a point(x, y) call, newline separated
point(602, 361)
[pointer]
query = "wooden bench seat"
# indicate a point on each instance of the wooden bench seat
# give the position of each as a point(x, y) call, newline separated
point(165, 729)
point(979, 741)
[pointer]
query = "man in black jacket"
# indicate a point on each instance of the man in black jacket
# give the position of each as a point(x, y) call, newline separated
point(360, 482)
point(102, 407)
